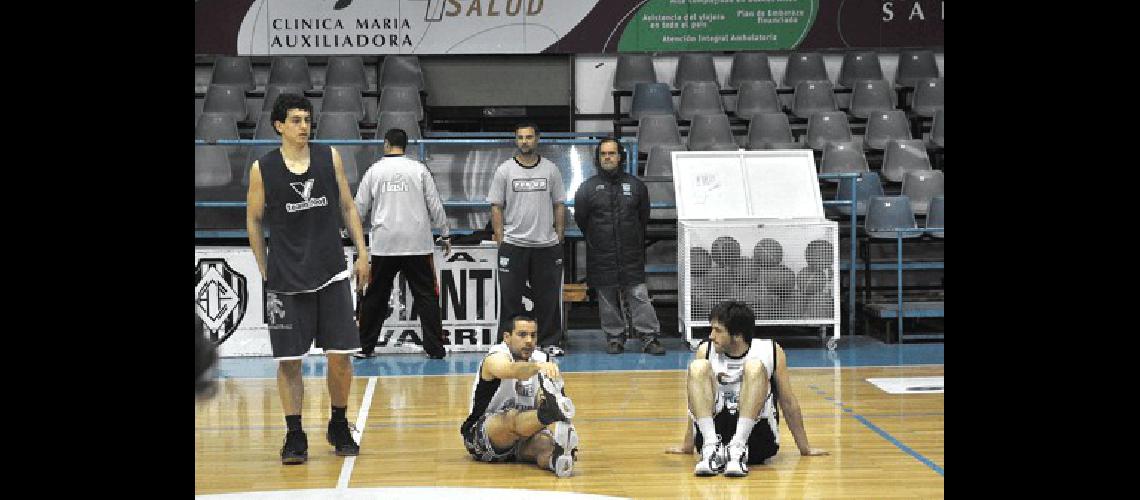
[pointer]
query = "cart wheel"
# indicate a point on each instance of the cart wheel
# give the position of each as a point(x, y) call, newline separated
point(832, 343)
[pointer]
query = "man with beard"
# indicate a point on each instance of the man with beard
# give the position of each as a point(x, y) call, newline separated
point(529, 218)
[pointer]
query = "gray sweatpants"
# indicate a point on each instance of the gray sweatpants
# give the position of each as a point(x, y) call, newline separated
point(640, 308)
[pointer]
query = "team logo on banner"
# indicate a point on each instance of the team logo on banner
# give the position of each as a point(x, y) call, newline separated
point(220, 298)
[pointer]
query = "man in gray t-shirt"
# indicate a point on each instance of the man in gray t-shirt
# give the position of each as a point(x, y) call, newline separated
point(529, 219)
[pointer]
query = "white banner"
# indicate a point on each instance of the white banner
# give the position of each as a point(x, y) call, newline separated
point(370, 27)
point(229, 302)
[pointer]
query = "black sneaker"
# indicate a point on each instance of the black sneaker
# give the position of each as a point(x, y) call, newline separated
point(615, 348)
point(363, 355)
point(551, 401)
point(433, 356)
point(340, 437)
point(296, 448)
point(655, 348)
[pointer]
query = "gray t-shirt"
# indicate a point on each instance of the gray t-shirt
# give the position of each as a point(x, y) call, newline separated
point(527, 196)
point(399, 204)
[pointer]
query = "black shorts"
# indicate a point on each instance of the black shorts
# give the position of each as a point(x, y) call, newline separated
point(762, 443)
point(326, 315)
point(479, 445)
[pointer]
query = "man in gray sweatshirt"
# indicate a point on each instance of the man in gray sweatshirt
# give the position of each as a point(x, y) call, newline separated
point(399, 203)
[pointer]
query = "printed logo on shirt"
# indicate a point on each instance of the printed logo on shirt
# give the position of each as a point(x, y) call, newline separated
point(503, 262)
point(394, 187)
point(625, 189)
point(304, 190)
point(536, 184)
point(600, 187)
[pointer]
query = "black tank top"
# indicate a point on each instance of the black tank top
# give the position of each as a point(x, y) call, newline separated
point(302, 213)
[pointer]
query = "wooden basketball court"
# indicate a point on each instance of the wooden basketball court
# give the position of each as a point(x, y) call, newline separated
point(882, 445)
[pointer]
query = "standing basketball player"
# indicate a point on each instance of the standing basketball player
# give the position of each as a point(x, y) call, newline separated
point(399, 198)
point(519, 408)
point(529, 217)
point(735, 384)
point(302, 194)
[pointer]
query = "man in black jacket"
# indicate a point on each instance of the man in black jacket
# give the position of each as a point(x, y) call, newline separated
point(612, 210)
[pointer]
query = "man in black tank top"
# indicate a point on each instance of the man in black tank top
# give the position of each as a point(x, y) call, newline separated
point(301, 194)
point(731, 337)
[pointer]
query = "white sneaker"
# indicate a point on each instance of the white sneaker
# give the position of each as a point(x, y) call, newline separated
point(712, 460)
point(737, 465)
point(565, 449)
point(554, 351)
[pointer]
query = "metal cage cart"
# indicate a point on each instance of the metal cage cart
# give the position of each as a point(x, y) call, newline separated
point(751, 227)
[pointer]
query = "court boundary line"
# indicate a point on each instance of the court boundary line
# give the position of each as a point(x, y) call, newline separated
point(882, 433)
point(603, 371)
point(361, 421)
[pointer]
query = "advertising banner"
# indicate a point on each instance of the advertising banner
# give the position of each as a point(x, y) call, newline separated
point(371, 27)
point(230, 310)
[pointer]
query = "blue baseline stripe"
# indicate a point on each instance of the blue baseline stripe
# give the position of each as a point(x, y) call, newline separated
point(903, 447)
point(918, 456)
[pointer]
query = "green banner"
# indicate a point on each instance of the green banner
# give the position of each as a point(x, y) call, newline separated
point(718, 25)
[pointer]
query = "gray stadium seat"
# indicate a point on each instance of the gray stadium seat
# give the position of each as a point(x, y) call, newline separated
point(343, 100)
point(902, 156)
point(936, 216)
point(804, 66)
point(889, 212)
point(749, 67)
point(871, 96)
point(229, 70)
point(401, 71)
point(938, 131)
point(211, 167)
point(405, 120)
point(660, 162)
point(711, 133)
point(290, 70)
point(218, 126)
point(694, 67)
point(921, 186)
point(344, 125)
point(654, 130)
point(915, 65)
point(827, 127)
point(214, 126)
point(842, 157)
point(264, 131)
point(886, 126)
point(929, 96)
point(812, 97)
point(228, 99)
point(859, 65)
point(769, 128)
point(401, 98)
point(661, 191)
point(699, 98)
point(651, 99)
point(346, 71)
point(633, 69)
point(866, 186)
point(757, 97)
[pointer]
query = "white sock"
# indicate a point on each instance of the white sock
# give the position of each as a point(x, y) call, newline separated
point(743, 430)
point(708, 430)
